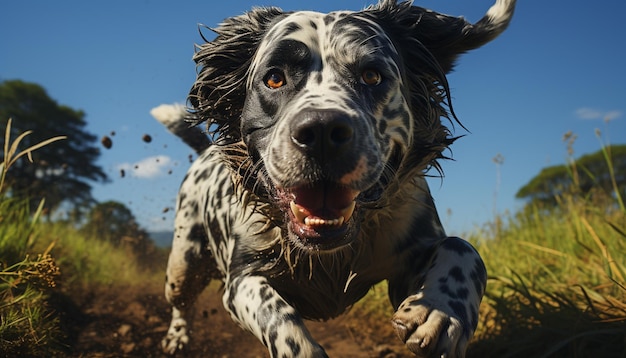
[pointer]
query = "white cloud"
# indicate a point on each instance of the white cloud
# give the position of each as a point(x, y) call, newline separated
point(613, 114)
point(592, 113)
point(167, 113)
point(147, 168)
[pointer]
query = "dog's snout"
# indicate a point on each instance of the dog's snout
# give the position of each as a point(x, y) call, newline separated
point(322, 133)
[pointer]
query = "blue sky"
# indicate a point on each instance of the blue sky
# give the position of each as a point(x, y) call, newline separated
point(559, 67)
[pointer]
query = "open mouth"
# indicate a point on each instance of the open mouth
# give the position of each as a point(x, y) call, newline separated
point(320, 214)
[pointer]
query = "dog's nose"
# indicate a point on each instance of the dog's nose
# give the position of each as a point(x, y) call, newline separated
point(322, 133)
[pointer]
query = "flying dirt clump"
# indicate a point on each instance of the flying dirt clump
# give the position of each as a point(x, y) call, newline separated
point(106, 142)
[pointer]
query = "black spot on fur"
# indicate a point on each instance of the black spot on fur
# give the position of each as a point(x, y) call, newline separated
point(457, 274)
point(265, 293)
point(293, 346)
point(329, 19)
point(478, 276)
point(273, 335)
point(197, 234)
point(457, 245)
point(460, 293)
point(319, 78)
point(290, 28)
point(181, 199)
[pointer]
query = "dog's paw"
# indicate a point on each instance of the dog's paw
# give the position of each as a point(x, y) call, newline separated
point(177, 337)
point(430, 330)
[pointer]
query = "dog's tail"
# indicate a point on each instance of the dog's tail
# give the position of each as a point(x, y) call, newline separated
point(495, 21)
point(173, 117)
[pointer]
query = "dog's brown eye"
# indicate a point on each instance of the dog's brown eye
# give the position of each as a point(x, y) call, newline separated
point(274, 80)
point(371, 77)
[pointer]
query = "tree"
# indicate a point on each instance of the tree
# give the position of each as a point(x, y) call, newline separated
point(588, 175)
point(114, 222)
point(61, 171)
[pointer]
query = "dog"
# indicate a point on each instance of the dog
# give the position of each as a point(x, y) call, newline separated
point(309, 187)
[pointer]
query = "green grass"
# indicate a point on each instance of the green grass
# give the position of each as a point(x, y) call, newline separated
point(556, 286)
point(69, 264)
point(40, 258)
point(88, 260)
point(27, 328)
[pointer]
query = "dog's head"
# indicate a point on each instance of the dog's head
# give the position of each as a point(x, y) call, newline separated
point(324, 113)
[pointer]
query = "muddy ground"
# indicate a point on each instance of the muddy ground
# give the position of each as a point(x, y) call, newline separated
point(130, 322)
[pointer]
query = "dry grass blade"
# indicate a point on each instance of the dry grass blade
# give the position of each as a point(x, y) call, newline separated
point(544, 249)
point(11, 154)
point(614, 269)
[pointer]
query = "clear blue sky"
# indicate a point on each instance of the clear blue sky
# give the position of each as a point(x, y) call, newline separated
point(559, 67)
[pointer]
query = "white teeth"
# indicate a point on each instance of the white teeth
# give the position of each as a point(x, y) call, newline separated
point(346, 213)
point(309, 221)
point(303, 217)
point(300, 216)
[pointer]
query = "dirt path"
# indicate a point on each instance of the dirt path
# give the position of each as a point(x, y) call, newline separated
point(130, 322)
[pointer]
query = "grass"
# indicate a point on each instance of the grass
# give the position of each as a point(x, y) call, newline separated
point(33, 254)
point(556, 286)
point(557, 277)
point(27, 328)
point(90, 261)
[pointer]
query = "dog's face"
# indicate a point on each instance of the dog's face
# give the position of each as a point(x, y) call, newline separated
point(331, 109)
point(324, 110)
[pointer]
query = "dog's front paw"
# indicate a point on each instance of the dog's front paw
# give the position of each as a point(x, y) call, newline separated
point(176, 338)
point(430, 329)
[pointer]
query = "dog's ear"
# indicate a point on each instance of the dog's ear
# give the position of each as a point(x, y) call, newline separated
point(445, 37)
point(218, 94)
point(428, 44)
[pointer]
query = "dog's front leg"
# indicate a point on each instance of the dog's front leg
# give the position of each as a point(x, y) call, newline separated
point(440, 318)
point(260, 309)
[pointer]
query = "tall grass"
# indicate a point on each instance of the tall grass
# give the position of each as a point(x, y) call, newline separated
point(557, 285)
point(27, 328)
point(89, 261)
point(33, 254)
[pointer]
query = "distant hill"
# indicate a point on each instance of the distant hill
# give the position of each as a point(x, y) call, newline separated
point(162, 238)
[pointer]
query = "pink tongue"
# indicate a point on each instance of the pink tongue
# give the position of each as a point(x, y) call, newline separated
point(324, 201)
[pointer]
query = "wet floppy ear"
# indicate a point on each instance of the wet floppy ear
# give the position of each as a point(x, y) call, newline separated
point(217, 96)
point(445, 37)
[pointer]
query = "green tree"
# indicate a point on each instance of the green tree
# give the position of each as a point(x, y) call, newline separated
point(588, 175)
point(114, 222)
point(61, 172)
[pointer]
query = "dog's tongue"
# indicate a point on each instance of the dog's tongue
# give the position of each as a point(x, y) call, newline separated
point(323, 205)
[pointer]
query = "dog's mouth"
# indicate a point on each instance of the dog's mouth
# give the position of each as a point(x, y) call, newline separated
point(320, 215)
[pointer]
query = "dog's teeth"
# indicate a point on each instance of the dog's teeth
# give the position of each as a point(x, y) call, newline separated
point(300, 216)
point(303, 217)
point(346, 213)
point(312, 221)
point(316, 221)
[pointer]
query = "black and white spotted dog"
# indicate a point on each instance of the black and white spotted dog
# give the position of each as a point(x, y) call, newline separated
point(313, 189)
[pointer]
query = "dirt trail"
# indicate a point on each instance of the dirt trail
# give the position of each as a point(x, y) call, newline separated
point(130, 322)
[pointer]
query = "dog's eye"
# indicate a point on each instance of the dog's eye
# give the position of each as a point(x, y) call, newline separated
point(274, 80)
point(371, 77)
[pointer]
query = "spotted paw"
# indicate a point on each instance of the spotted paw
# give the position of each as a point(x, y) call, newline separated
point(176, 338)
point(428, 330)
